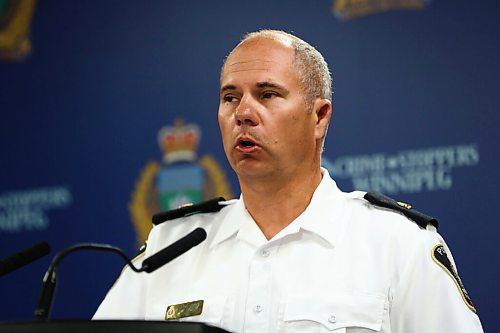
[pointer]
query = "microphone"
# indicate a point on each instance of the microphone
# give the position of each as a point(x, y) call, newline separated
point(174, 250)
point(23, 258)
point(149, 265)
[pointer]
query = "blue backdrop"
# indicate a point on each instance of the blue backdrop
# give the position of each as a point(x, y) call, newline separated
point(415, 116)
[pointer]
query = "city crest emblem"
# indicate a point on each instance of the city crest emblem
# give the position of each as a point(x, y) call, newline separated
point(15, 23)
point(350, 9)
point(179, 179)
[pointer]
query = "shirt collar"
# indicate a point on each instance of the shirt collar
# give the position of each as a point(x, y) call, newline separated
point(321, 217)
point(231, 222)
point(323, 214)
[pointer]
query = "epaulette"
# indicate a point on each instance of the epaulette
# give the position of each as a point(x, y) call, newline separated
point(419, 218)
point(209, 206)
point(142, 249)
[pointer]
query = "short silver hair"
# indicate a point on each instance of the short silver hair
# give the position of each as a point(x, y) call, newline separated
point(312, 69)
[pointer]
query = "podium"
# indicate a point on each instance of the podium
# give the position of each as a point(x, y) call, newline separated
point(108, 326)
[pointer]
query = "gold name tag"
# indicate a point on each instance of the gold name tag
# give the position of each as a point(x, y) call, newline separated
point(184, 310)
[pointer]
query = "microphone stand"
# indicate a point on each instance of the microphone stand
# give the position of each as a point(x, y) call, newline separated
point(149, 265)
point(50, 279)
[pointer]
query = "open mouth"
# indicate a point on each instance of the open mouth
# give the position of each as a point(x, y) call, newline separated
point(247, 144)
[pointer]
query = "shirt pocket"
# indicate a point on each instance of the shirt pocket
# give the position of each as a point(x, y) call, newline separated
point(340, 313)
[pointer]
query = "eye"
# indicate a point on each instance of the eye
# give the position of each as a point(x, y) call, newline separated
point(229, 98)
point(268, 94)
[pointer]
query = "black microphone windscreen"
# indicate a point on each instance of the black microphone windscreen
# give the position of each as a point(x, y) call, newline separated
point(24, 257)
point(174, 250)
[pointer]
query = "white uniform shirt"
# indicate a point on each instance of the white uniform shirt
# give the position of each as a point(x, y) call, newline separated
point(342, 266)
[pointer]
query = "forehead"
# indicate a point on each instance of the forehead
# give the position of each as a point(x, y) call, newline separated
point(262, 56)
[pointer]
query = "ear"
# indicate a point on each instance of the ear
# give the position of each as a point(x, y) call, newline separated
point(323, 111)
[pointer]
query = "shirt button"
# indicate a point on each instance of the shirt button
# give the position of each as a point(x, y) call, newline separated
point(332, 319)
point(265, 253)
point(257, 309)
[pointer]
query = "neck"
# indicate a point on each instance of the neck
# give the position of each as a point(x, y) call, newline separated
point(275, 203)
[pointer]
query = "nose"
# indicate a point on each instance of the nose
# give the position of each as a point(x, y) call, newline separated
point(245, 114)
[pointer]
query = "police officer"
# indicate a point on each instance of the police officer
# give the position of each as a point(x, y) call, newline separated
point(294, 253)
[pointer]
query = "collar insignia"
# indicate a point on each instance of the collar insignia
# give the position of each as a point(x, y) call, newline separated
point(404, 205)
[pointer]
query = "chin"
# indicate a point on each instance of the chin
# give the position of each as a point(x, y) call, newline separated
point(254, 171)
point(248, 168)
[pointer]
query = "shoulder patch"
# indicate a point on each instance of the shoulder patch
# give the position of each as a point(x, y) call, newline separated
point(209, 206)
point(440, 257)
point(419, 218)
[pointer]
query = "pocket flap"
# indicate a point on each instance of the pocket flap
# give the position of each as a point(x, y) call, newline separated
point(339, 311)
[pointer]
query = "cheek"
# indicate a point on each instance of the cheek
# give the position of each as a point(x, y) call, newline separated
point(223, 123)
point(225, 130)
point(220, 119)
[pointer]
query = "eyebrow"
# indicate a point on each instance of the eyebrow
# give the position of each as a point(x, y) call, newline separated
point(269, 85)
point(265, 84)
point(227, 87)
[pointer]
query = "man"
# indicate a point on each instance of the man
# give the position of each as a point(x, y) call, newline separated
point(294, 253)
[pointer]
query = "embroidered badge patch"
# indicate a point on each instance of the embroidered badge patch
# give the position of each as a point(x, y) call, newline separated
point(440, 257)
point(184, 310)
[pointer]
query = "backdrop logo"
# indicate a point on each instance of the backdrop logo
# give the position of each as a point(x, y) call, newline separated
point(408, 171)
point(348, 9)
point(180, 178)
point(27, 210)
point(15, 20)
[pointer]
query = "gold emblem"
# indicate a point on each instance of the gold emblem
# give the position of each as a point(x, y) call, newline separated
point(15, 22)
point(185, 205)
point(177, 143)
point(349, 9)
point(184, 310)
point(404, 205)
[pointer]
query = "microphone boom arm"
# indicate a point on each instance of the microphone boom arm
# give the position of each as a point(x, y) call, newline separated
point(149, 265)
point(50, 279)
